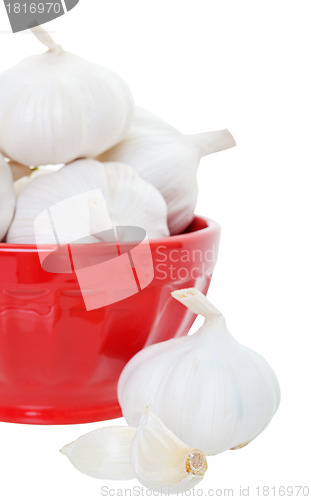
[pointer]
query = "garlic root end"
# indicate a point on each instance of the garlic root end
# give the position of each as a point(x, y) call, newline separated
point(195, 462)
point(240, 446)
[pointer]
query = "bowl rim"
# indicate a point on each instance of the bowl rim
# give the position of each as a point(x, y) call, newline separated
point(212, 227)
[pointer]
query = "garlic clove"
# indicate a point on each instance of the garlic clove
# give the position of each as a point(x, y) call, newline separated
point(161, 460)
point(212, 392)
point(103, 454)
point(7, 197)
point(130, 201)
point(61, 107)
point(169, 160)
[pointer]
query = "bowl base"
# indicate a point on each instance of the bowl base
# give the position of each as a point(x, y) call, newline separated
point(59, 416)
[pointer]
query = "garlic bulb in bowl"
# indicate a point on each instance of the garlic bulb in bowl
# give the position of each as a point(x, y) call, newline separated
point(169, 160)
point(7, 197)
point(61, 107)
point(211, 391)
point(130, 201)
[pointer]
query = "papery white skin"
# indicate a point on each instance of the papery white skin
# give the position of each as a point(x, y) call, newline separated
point(211, 391)
point(159, 457)
point(169, 160)
point(56, 107)
point(130, 201)
point(7, 197)
point(104, 453)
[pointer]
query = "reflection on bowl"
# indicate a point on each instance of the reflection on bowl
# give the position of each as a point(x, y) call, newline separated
point(59, 363)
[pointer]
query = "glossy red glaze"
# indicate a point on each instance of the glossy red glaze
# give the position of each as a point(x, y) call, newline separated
point(59, 363)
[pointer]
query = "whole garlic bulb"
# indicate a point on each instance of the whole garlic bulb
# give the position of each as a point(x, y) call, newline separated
point(151, 453)
point(169, 160)
point(61, 107)
point(211, 391)
point(130, 201)
point(7, 197)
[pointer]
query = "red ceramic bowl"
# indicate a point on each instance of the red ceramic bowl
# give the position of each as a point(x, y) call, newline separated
point(59, 363)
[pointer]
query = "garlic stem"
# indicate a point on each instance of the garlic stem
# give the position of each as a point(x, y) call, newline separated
point(197, 303)
point(47, 40)
point(213, 142)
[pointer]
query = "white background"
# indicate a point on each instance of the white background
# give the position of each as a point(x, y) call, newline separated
point(203, 65)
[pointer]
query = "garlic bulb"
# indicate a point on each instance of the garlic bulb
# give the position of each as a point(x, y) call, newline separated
point(7, 197)
point(151, 453)
point(104, 453)
point(73, 194)
point(211, 391)
point(161, 460)
point(169, 160)
point(61, 107)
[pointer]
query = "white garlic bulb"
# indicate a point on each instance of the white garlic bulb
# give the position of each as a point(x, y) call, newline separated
point(61, 107)
point(130, 201)
point(151, 453)
point(7, 197)
point(104, 453)
point(211, 391)
point(169, 160)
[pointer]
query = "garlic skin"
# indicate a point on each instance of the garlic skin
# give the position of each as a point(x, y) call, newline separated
point(7, 197)
point(104, 453)
point(169, 160)
point(211, 391)
point(161, 460)
point(129, 199)
point(61, 107)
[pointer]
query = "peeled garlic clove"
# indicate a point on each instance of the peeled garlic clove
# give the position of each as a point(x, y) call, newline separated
point(161, 460)
point(211, 391)
point(104, 453)
point(7, 197)
point(129, 199)
point(61, 107)
point(169, 160)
